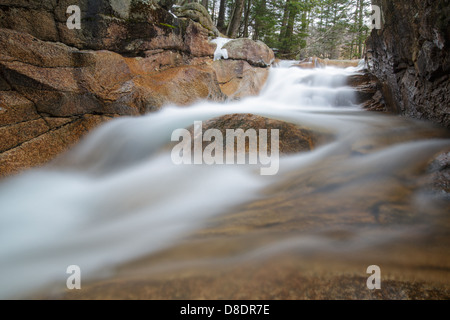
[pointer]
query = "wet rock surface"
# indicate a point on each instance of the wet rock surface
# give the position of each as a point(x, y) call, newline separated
point(440, 174)
point(292, 138)
point(368, 91)
point(410, 55)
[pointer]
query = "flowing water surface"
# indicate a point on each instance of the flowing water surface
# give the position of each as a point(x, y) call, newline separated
point(139, 226)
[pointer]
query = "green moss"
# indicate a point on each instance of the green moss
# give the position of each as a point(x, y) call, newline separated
point(167, 25)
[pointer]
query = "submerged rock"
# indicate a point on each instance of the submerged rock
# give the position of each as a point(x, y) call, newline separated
point(292, 138)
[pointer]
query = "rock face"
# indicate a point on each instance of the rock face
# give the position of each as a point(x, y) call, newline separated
point(119, 26)
point(129, 58)
point(237, 79)
point(440, 174)
point(410, 55)
point(129, 27)
point(368, 91)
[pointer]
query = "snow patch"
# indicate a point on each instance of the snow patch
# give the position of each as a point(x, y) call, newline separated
point(173, 14)
point(220, 53)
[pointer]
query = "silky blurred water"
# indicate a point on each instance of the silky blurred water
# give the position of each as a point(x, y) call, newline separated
point(117, 196)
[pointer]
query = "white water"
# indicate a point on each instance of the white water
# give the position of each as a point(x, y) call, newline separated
point(117, 196)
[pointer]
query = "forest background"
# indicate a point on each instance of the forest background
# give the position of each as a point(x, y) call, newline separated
point(296, 29)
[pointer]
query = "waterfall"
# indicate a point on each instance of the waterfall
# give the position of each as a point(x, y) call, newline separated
point(117, 197)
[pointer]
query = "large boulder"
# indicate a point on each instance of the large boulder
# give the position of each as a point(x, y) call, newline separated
point(256, 53)
point(198, 13)
point(292, 138)
point(410, 55)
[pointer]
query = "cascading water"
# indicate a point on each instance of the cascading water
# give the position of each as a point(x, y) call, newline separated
point(117, 196)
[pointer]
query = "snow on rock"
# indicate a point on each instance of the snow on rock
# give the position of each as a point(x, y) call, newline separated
point(220, 53)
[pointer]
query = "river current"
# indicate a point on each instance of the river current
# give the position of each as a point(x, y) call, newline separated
point(139, 226)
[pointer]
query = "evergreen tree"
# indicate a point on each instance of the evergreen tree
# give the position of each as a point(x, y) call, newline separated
point(297, 28)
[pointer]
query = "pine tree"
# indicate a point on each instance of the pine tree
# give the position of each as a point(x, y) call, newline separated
point(323, 28)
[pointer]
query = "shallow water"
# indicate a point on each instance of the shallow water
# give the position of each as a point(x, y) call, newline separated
point(141, 227)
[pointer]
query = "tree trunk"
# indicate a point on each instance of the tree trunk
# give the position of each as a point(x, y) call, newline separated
point(284, 21)
point(290, 23)
point(246, 16)
point(360, 34)
point(355, 36)
point(235, 20)
point(213, 13)
point(205, 4)
point(334, 51)
point(221, 18)
point(304, 29)
point(305, 22)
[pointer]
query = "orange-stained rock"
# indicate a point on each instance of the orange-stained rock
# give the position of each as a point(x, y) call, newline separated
point(15, 108)
point(180, 85)
point(156, 61)
point(51, 92)
point(16, 134)
point(44, 147)
point(196, 40)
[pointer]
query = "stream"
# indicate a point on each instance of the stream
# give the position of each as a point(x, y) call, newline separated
point(139, 226)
